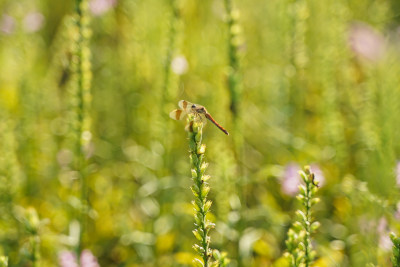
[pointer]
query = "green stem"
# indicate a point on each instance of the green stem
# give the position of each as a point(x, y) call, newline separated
point(81, 99)
point(35, 241)
point(298, 243)
point(200, 190)
point(233, 58)
point(307, 239)
point(170, 51)
point(309, 190)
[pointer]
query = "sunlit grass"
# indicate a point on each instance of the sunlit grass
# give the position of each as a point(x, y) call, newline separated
point(100, 166)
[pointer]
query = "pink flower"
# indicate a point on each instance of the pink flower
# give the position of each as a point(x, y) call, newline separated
point(398, 173)
point(397, 212)
point(366, 42)
point(33, 21)
point(383, 232)
point(291, 179)
point(7, 24)
point(68, 259)
point(99, 7)
point(88, 260)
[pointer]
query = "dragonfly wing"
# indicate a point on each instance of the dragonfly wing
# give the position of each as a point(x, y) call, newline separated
point(177, 114)
point(185, 105)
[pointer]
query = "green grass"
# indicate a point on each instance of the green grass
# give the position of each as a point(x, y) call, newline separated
point(86, 141)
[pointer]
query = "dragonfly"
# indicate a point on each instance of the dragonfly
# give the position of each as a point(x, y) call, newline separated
point(199, 111)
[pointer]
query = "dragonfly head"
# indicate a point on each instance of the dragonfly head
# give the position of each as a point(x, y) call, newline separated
point(198, 109)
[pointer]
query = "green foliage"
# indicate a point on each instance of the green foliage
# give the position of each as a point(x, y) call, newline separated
point(86, 143)
point(395, 250)
point(200, 190)
point(80, 105)
point(234, 43)
point(3, 261)
point(300, 251)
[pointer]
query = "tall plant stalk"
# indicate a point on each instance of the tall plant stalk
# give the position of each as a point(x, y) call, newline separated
point(200, 189)
point(233, 43)
point(233, 83)
point(395, 250)
point(163, 135)
point(300, 252)
point(170, 50)
point(234, 87)
point(81, 98)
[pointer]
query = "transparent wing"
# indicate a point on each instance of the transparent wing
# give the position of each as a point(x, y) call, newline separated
point(177, 114)
point(185, 105)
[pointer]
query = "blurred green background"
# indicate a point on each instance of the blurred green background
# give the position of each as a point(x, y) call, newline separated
point(318, 84)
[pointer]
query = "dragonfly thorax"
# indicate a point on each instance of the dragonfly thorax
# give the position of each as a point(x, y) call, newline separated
point(199, 109)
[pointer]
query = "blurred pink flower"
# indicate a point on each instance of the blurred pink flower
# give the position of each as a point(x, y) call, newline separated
point(397, 212)
point(7, 24)
point(68, 259)
point(366, 42)
point(398, 173)
point(319, 175)
point(291, 179)
point(33, 21)
point(99, 7)
point(383, 232)
point(88, 260)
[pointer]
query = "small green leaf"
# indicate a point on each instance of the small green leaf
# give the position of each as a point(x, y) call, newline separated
point(307, 170)
point(198, 134)
point(198, 218)
point(198, 249)
point(203, 168)
point(209, 225)
point(197, 235)
point(205, 178)
point(195, 190)
point(194, 173)
point(204, 191)
point(216, 254)
point(198, 263)
point(303, 176)
point(207, 206)
point(202, 149)
point(195, 205)
point(194, 160)
point(315, 226)
point(301, 215)
point(315, 201)
point(297, 226)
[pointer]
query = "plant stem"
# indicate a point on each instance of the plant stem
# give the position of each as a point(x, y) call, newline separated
point(170, 51)
point(307, 193)
point(81, 101)
point(233, 76)
point(395, 250)
point(298, 243)
point(200, 190)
